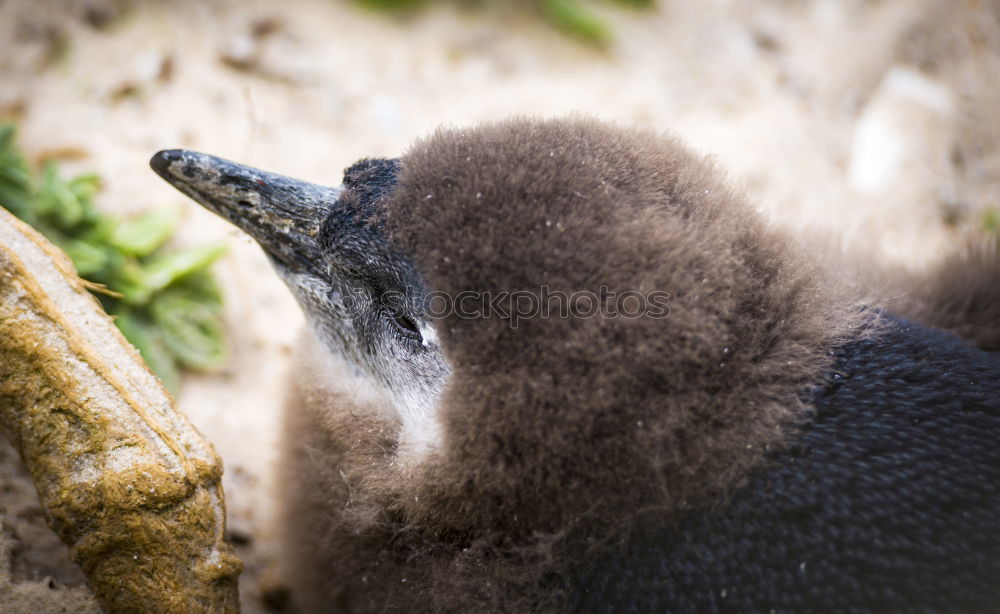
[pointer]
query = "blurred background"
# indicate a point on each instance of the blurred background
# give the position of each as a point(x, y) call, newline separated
point(877, 120)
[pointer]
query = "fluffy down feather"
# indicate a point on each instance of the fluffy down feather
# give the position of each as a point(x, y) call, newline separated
point(561, 435)
point(641, 464)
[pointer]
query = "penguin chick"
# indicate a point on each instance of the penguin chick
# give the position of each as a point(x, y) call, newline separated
point(762, 444)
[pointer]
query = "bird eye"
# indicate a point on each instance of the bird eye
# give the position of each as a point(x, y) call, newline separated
point(405, 324)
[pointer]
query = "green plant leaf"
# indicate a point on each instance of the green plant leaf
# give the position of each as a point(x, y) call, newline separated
point(130, 281)
point(15, 177)
point(572, 18)
point(201, 287)
point(639, 4)
point(143, 335)
point(57, 202)
point(991, 220)
point(138, 282)
point(87, 258)
point(84, 187)
point(8, 136)
point(145, 233)
point(192, 331)
point(166, 268)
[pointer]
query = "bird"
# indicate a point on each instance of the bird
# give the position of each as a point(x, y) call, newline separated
point(560, 365)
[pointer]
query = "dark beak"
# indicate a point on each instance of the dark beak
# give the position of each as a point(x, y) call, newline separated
point(280, 213)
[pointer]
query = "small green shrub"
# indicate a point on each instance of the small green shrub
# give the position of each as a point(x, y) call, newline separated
point(164, 300)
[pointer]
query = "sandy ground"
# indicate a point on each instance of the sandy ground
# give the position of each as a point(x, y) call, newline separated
point(874, 119)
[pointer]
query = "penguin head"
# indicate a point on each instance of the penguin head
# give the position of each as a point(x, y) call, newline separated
point(668, 338)
point(360, 294)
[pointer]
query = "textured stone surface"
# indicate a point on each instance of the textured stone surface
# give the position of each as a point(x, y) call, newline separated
point(123, 478)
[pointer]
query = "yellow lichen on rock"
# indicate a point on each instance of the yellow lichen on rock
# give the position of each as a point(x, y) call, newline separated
point(125, 480)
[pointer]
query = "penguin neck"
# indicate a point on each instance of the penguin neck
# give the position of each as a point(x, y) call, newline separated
point(351, 390)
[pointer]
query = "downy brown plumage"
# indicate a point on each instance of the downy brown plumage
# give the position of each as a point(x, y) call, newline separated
point(770, 424)
point(559, 433)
